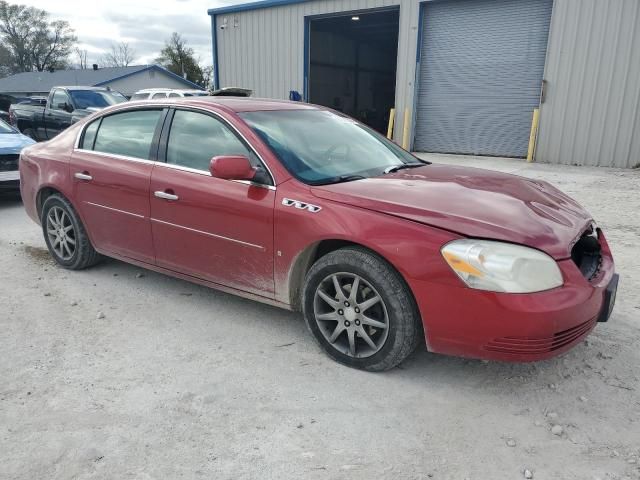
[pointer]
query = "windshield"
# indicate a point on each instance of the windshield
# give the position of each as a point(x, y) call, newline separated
point(6, 128)
point(195, 94)
point(320, 147)
point(96, 98)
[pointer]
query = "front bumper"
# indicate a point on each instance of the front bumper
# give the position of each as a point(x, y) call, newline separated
point(472, 323)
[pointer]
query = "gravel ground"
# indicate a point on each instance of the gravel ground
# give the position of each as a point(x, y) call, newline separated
point(119, 373)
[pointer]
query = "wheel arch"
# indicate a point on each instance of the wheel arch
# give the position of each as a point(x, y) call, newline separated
point(45, 192)
point(312, 253)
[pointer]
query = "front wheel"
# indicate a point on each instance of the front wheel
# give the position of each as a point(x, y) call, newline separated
point(360, 310)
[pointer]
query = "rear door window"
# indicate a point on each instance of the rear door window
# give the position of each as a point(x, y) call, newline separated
point(158, 95)
point(128, 133)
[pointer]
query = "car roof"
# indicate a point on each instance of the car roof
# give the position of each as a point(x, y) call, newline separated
point(79, 87)
point(235, 104)
point(148, 90)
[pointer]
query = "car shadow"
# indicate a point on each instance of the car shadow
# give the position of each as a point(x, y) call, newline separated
point(420, 366)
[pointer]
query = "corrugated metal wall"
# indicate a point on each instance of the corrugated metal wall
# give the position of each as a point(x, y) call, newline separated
point(264, 49)
point(591, 115)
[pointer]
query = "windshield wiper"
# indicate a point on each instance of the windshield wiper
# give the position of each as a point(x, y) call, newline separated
point(341, 179)
point(395, 168)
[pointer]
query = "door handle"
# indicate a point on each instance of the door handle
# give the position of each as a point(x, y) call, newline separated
point(166, 196)
point(83, 176)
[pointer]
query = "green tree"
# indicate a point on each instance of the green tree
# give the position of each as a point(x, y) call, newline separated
point(179, 58)
point(33, 40)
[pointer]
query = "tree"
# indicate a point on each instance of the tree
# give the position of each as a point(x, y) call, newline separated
point(52, 45)
point(179, 58)
point(207, 77)
point(5, 61)
point(121, 55)
point(81, 56)
point(34, 42)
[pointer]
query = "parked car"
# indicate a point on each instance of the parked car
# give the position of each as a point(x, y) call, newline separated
point(64, 106)
point(159, 93)
point(156, 93)
point(300, 207)
point(11, 144)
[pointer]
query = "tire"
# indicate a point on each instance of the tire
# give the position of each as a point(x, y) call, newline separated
point(78, 253)
point(30, 133)
point(332, 315)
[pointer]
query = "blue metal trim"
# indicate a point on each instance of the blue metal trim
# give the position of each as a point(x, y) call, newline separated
point(305, 74)
point(151, 67)
point(214, 49)
point(252, 6)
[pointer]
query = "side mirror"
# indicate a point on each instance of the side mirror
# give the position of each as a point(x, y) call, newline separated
point(232, 167)
point(64, 106)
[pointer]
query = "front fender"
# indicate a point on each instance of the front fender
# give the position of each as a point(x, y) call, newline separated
point(411, 248)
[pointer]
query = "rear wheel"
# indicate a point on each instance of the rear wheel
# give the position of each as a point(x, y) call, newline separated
point(360, 310)
point(65, 235)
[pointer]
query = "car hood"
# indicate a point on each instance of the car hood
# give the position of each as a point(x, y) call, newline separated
point(12, 143)
point(472, 202)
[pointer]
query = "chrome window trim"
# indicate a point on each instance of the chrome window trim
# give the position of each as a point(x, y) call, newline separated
point(221, 237)
point(176, 107)
point(116, 156)
point(208, 174)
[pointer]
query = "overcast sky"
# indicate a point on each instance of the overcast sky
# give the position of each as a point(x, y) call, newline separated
point(144, 24)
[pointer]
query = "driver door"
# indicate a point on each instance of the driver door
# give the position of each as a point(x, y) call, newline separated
point(57, 119)
point(214, 229)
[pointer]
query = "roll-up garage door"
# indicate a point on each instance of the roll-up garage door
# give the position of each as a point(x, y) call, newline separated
point(480, 73)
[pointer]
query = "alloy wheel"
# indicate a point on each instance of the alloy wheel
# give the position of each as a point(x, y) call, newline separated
point(351, 315)
point(61, 234)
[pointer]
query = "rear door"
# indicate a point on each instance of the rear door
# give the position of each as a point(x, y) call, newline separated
point(111, 171)
point(56, 117)
point(214, 229)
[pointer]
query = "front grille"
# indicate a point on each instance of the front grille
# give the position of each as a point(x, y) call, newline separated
point(587, 254)
point(9, 163)
point(540, 345)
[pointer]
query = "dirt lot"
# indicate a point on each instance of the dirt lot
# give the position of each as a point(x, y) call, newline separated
point(119, 373)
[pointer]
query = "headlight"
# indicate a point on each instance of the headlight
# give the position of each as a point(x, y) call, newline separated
point(502, 267)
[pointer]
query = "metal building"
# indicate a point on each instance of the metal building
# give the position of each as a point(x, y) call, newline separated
point(466, 75)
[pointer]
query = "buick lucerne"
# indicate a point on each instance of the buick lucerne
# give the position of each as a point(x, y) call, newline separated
point(301, 207)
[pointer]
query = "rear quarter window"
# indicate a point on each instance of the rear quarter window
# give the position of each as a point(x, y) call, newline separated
point(90, 135)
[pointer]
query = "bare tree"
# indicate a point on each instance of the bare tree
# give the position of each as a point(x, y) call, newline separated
point(207, 77)
point(121, 55)
point(81, 57)
point(34, 42)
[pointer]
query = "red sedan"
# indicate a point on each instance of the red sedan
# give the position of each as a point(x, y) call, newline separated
point(301, 207)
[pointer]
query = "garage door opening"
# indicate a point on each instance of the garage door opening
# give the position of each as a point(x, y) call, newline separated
point(352, 64)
